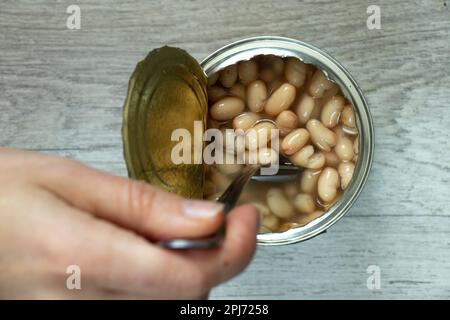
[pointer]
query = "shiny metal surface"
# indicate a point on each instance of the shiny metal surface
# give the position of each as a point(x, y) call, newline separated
point(248, 48)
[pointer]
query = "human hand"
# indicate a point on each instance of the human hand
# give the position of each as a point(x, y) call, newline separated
point(56, 212)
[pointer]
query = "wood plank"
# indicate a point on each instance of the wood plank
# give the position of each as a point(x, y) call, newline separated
point(62, 91)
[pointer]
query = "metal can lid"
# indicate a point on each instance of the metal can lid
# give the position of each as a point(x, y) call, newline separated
point(166, 92)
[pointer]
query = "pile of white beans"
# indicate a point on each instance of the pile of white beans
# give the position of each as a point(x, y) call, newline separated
point(317, 128)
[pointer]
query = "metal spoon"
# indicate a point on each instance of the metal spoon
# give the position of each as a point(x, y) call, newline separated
point(229, 198)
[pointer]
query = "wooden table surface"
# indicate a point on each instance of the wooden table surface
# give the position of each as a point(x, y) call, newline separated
point(62, 92)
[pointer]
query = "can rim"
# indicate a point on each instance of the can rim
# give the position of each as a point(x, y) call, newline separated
point(246, 49)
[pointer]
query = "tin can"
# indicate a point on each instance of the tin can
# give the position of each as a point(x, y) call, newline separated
point(285, 47)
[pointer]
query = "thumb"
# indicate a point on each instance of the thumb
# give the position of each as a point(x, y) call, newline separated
point(135, 205)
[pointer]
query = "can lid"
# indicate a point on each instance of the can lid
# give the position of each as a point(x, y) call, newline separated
point(166, 92)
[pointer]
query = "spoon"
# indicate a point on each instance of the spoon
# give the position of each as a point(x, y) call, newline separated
point(229, 198)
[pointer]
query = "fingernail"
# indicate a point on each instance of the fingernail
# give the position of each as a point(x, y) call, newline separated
point(201, 209)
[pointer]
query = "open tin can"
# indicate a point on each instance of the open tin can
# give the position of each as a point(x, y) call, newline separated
point(285, 47)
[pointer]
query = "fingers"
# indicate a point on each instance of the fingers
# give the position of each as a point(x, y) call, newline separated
point(126, 265)
point(180, 274)
point(119, 262)
point(131, 204)
point(48, 236)
point(237, 250)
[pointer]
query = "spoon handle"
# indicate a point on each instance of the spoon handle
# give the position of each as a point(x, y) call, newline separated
point(231, 195)
point(229, 198)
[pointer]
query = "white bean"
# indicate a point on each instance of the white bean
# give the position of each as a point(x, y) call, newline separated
point(212, 79)
point(329, 93)
point(350, 131)
point(271, 222)
point(348, 117)
point(279, 204)
point(304, 108)
point(277, 65)
point(260, 134)
point(291, 190)
point(228, 76)
point(256, 95)
point(339, 132)
point(227, 108)
point(295, 72)
point(346, 170)
point(308, 159)
point(294, 141)
point(274, 63)
point(319, 84)
point(248, 71)
point(280, 100)
point(315, 113)
point(273, 86)
point(245, 120)
point(332, 159)
point(286, 121)
point(322, 137)
point(310, 69)
point(267, 75)
point(328, 184)
point(304, 203)
point(216, 93)
point(344, 149)
point(331, 111)
point(308, 181)
point(238, 90)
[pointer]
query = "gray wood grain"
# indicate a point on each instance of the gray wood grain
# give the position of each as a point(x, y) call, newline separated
point(62, 91)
